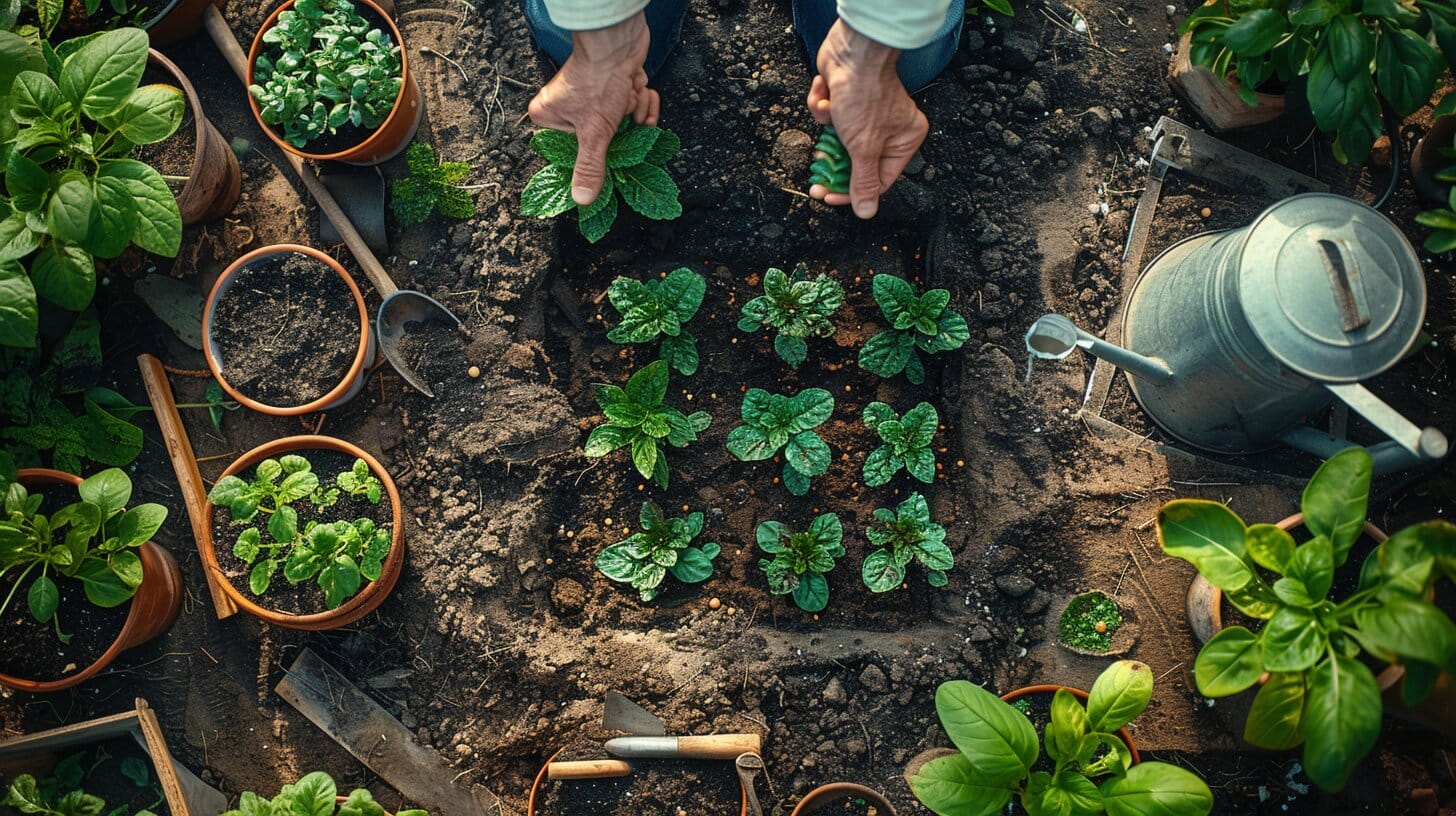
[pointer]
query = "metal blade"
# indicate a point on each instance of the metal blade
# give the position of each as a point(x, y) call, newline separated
point(622, 714)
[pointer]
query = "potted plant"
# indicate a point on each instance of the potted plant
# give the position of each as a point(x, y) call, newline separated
point(306, 532)
point(331, 80)
point(214, 180)
point(87, 566)
point(1219, 100)
point(844, 798)
point(313, 794)
point(294, 338)
point(1306, 655)
point(1089, 764)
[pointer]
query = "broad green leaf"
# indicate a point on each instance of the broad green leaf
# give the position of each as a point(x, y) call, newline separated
point(313, 795)
point(749, 444)
point(149, 114)
point(1209, 536)
point(28, 184)
point(1351, 46)
point(1156, 789)
point(827, 530)
point(1271, 547)
point(1119, 694)
point(792, 350)
point(116, 219)
point(16, 238)
point(105, 588)
point(1411, 628)
point(1293, 640)
point(109, 490)
point(880, 466)
point(1335, 501)
point(1230, 662)
point(1341, 719)
point(645, 455)
point(137, 525)
point(693, 566)
point(548, 193)
point(1069, 723)
point(71, 210)
point(98, 76)
point(812, 593)
point(1256, 32)
point(1276, 719)
point(880, 571)
point(1406, 69)
point(952, 786)
point(812, 407)
point(649, 190)
point(44, 598)
point(649, 385)
point(665, 148)
point(18, 312)
point(1407, 559)
point(557, 147)
point(1000, 738)
point(887, 353)
point(631, 146)
point(1314, 566)
point(807, 453)
point(17, 55)
point(1074, 794)
point(159, 223)
point(594, 220)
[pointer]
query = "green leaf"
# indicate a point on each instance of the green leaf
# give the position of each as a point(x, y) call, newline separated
point(28, 185)
point(792, 350)
point(594, 221)
point(649, 190)
point(1119, 694)
point(100, 75)
point(1293, 640)
point(649, 385)
point(261, 576)
point(1335, 501)
point(137, 525)
point(1230, 662)
point(104, 587)
point(18, 313)
point(880, 466)
point(1256, 32)
point(887, 353)
point(1411, 628)
point(159, 223)
point(807, 453)
point(1209, 536)
point(693, 565)
point(109, 490)
point(749, 444)
point(1314, 566)
point(16, 238)
point(43, 599)
point(548, 193)
point(1276, 718)
point(1156, 789)
point(313, 795)
point(952, 786)
point(665, 148)
point(1001, 738)
point(1406, 69)
point(880, 571)
point(116, 219)
point(71, 210)
point(631, 146)
point(1069, 723)
point(645, 455)
point(340, 579)
point(557, 147)
point(17, 55)
point(1351, 46)
point(1341, 719)
point(248, 545)
point(1271, 547)
point(812, 593)
point(148, 114)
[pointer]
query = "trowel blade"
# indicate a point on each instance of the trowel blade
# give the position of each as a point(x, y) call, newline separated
point(622, 714)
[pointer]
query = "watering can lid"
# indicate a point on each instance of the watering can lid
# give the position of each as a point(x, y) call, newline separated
point(1331, 287)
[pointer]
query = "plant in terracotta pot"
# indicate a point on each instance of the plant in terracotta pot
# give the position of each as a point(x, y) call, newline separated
point(1306, 654)
point(1087, 768)
point(315, 794)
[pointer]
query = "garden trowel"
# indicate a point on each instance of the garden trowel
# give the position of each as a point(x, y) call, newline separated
point(648, 740)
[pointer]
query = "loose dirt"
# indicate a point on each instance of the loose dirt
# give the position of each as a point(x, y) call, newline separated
point(659, 787)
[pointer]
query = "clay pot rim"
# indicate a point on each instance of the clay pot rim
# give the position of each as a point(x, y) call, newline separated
point(541, 777)
point(133, 621)
point(836, 788)
point(363, 601)
point(1423, 178)
point(194, 104)
point(356, 369)
point(350, 152)
point(1052, 688)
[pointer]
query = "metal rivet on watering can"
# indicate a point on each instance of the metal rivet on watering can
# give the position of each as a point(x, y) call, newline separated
point(1233, 338)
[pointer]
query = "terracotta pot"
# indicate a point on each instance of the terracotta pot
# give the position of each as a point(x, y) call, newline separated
point(154, 607)
point(541, 777)
point(178, 21)
point(214, 180)
point(387, 140)
point(352, 381)
point(826, 795)
point(1122, 733)
point(369, 597)
point(1215, 99)
point(1427, 161)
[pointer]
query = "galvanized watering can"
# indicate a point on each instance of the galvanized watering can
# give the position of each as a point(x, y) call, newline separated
point(1235, 338)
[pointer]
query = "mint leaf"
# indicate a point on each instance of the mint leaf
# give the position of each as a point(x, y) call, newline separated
point(595, 220)
point(631, 146)
point(667, 146)
point(548, 193)
point(556, 146)
point(649, 190)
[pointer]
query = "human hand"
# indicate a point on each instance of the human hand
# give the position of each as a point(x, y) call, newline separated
point(858, 91)
point(601, 82)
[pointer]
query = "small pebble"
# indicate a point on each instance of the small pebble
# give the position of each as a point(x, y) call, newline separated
point(1205, 212)
point(606, 522)
point(474, 372)
point(714, 603)
point(550, 561)
point(732, 611)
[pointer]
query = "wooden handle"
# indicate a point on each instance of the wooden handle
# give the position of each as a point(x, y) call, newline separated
point(719, 746)
point(227, 43)
point(179, 450)
point(588, 769)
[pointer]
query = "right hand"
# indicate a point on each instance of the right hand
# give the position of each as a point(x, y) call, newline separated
point(602, 81)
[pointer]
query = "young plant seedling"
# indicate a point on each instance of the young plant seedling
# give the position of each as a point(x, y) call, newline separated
point(63, 792)
point(638, 420)
point(800, 560)
point(431, 185)
point(918, 324)
point(774, 421)
point(663, 546)
point(660, 308)
point(905, 443)
point(316, 795)
point(1318, 692)
point(635, 162)
point(796, 306)
point(903, 535)
point(1089, 768)
point(93, 540)
point(323, 66)
point(831, 165)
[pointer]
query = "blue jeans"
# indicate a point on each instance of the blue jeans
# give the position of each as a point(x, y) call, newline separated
point(812, 20)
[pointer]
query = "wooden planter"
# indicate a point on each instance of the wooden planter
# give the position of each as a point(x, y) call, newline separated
point(154, 607)
point(368, 598)
point(1216, 99)
point(215, 180)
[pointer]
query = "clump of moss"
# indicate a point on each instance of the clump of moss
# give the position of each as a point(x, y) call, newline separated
point(1089, 622)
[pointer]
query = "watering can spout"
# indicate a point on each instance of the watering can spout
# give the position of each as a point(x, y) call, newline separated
point(1055, 336)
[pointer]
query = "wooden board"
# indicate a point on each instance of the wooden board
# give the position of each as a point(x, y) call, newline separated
point(1214, 98)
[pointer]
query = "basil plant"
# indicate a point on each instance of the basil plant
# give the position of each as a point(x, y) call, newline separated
point(1305, 656)
point(1087, 769)
point(73, 116)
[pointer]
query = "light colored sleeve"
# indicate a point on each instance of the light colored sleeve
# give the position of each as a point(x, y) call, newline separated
point(903, 24)
point(585, 15)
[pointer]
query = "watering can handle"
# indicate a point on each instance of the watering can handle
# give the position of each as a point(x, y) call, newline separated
point(1345, 285)
point(1424, 443)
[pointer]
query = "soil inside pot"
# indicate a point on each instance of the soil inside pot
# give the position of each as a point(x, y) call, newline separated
point(850, 805)
point(117, 770)
point(287, 330)
point(656, 787)
point(305, 598)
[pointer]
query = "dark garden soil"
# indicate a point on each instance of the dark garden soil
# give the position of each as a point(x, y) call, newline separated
point(501, 637)
point(30, 650)
point(287, 330)
point(656, 787)
point(282, 596)
point(849, 806)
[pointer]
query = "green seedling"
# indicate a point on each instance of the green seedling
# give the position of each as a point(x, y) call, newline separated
point(831, 165)
point(315, 795)
point(361, 483)
point(431, 185)
point(93, 540)
point(903, 535)
point(635, 162)
point(800, 560)
point(659, 309)
point(638, 420)
point(775, 421)
point(796, 307)
point(919, 324)
point(324, 66)
point(1088, 768)
point(905, 443)
point(1442, 223)
point(663, 547)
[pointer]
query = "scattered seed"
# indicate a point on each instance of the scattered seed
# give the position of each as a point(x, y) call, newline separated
point(732, 611)
point(474, 372)
point(607, 522)
point(714, 603)
point(550, 562)
point(1205, 212)
point(571, 534)
point(846, 388)
point(960, 463)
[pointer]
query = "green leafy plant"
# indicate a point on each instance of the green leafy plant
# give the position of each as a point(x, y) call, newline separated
point(316, 795)
point(37, 19)
point(919, 324)
point(1442, 221)
point(638, 420)
point(796, 306)
point(903, 535)
point(338, 555)
point(62, 792)
point(1318, 691)
point(905, 443)
point(658, 309)
point(1342, 58)
point(71, 192)
point(635, 162)
point(663, 546)
point(324, 66)
point(800, 560)
point(431, 185)
point(93, 540)
point(1091, 767)
point(831, 165)
point(775, 421)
